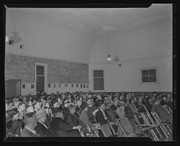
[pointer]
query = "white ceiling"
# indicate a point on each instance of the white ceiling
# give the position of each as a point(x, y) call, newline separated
point(94, 19)
point(71, 33)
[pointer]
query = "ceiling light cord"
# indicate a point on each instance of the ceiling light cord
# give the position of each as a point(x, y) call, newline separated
point(108, 42)
point(13, 20)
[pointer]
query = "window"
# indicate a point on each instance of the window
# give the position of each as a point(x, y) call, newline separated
point(32, 86)
point(49, 85)
point(149, 75)
point(54, 85)
point(72, 85)
point(66, 85)
point(76, 85)
point(84, 86)
point(81, 85)
point(98, 76)
point(23, 86)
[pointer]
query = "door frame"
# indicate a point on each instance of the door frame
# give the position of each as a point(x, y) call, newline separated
point(45, 75)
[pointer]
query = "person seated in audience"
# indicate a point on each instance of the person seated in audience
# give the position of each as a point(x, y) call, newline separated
point(114, 103)
point(164, 101)
point(130, 116)
point(30, 124)
point(123, 119)
point(140, 106)
point(90, 109)
point(16, 124)
point(103, 120)
point(37, 106)
point(161, 112)
point(71, 117)
point(170, 101)
point(60, 128)
point(112, 117)
point(42, 129)
point(21, 110)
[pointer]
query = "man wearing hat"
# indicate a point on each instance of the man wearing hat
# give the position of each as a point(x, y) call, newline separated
point(42, 129)
point(30, 124)
point(60, 128)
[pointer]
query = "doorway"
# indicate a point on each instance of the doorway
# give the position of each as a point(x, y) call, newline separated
point(40, 77)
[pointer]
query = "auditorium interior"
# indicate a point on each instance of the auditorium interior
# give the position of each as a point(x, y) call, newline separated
point(89, 72)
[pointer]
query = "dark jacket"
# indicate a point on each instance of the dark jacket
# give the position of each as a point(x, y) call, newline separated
point(62, 129)
point(100, 117)
point(26, 133)
point(43, 131)
point(113, 107)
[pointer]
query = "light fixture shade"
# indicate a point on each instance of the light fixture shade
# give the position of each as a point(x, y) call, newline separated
point(108, 58)
point(116, 59)
point(15, 38)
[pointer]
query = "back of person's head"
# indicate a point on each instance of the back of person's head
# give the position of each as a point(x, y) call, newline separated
point(30, 120)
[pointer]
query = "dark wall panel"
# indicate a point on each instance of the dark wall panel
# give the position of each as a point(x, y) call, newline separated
point(23, 67)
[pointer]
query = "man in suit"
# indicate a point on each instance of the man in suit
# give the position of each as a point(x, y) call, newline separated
point(102, 119)
point(60, 128)
point(30, 124)
point(42, 129)
point(162, 113)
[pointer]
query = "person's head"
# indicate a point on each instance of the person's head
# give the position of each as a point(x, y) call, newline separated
point(37, 106)
point(58, 113)
point(66, 103)
point(24, 98)
point(41, 116)
point(164, 98)
point(21, 106)
point(115, 101)
point(30, 120)
point(72, 110)
point(135, 98)
point(157, 102)
point(169, 97)
point(16, 116)
point(100, 104)
point(90, 102)
point(140, 99)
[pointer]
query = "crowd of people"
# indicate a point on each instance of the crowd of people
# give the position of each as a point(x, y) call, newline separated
point(83, 114)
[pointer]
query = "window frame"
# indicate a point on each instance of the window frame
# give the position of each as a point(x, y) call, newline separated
point(150, 68)
point(99, 69)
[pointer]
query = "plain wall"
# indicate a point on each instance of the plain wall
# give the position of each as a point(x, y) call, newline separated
point(146, 47)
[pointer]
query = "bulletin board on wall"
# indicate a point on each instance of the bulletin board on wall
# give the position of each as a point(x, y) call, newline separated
point(12, 87)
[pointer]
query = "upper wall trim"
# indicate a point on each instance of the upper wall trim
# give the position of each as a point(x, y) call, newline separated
point(37, 56)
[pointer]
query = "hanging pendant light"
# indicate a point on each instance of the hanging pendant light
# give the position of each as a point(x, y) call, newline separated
point(15, 38)
point(108, 56)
